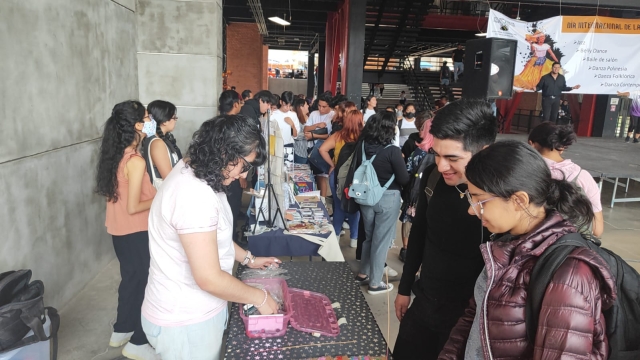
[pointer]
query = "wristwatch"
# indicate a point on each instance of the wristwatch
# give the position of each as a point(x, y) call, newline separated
point(248, 258)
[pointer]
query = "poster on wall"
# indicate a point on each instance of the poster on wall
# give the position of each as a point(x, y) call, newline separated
point(597, 53)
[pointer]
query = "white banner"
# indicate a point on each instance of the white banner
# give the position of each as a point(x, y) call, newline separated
point(601, 54)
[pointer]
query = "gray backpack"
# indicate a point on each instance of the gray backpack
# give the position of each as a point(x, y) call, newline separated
point(366, 189)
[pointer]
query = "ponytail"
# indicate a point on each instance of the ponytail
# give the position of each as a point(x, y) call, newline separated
point(570, 202)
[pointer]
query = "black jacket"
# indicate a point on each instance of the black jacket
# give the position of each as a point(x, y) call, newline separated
point(410, 145)
point(251, 109)
point(552, 87)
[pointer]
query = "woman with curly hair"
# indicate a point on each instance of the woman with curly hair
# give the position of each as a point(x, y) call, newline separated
point(192, 251)
point(161, 156)
point(122, 178)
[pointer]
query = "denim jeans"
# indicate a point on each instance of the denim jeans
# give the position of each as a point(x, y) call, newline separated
point(340, 215)
point(200, 341)
point(380, 227)
point(457, 66)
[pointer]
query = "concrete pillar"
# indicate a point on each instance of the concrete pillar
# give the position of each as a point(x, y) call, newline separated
point(321, 66)
point(355, 50)
point(65, 64)
point(311, 65)
point(180, 59)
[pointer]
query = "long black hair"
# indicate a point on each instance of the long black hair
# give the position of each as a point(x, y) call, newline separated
point(222, 141)
point(506, 167)
point(162, 111)
point(380, 129)
point(553, 137)
point(227, 99)
point(366, 104)
point(119, 133)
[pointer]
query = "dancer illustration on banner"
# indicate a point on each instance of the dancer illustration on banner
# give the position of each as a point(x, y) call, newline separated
point(539, 64)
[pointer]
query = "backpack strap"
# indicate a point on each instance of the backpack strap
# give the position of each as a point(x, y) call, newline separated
point(36, 325)
point(541, 275)
point(432, 181)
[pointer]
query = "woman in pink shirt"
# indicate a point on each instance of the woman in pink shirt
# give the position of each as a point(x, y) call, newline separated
point(190, 240)
point(123, 179)
point(551, 141)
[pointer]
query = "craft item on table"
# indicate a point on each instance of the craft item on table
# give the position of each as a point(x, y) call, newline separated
point(294, 167)
point(289, 197)
point(268, 273)
point(301, 187)
point(265, 326)
point(302, 228)
point(308, 205)
point(312, 197)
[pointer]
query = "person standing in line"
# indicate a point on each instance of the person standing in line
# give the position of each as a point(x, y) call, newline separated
point(165, 154)
point(380, 219)
point(255, 107)
point(445, 243)
point(122, 178)
point(403, 98)
point(246, 95)
point(287, 119)
point(318, 128)
point(370, 102)
point(300, 146)
point(552, 85)
point(551, 141)
point(407, 125)
point(415, 138)
point(445, 78)
point(192, 254)
point(634, 112)
point(458, 62)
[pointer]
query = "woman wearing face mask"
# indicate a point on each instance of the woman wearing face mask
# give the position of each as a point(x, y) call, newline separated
point(161, 155)
point(123, 180)
point(415, 138)
point(551, 141)
point(192, 252)
point(511, 190)
point(407, 125)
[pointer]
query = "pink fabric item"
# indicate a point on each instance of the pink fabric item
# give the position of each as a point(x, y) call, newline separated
point(184, 205)
point(569, 171)
point(427, 138)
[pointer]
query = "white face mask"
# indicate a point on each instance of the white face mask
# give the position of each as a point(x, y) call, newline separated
point(149, 128)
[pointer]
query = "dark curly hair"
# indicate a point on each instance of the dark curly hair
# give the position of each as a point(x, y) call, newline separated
point(222, 141)
point(380, 129)
point(119, 133)
point(553, 137)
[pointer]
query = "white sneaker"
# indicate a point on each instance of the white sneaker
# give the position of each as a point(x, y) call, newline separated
point(391, 272)
point(345, 225)
point(354, 243)
point(342, 233)
point(140, 352)
point(119, 339)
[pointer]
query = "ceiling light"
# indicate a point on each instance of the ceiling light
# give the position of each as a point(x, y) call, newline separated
point(481, 34)
point(279, 21)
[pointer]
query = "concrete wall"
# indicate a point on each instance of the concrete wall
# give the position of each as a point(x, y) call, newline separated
point(297, 86)
point(247, 58)
point(180, 59)
point(65, 63)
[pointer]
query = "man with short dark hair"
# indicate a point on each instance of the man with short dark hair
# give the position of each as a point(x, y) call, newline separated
point(318, 120)
point(258, 105)
point(445, 243)
point(458, 62)
point(246, 95)
point(552, 85)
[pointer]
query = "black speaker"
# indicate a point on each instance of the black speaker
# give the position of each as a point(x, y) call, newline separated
point(489, 66)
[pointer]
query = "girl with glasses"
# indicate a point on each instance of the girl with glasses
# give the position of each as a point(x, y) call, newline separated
point(512, 191)
point(160, 151)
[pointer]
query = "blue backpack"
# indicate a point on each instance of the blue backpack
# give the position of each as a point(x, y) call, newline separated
point(365, 188)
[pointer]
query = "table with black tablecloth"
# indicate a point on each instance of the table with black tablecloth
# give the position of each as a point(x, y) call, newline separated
point(358, 337)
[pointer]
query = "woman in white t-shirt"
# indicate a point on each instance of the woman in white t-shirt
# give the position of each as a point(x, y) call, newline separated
point(287, 119)
point(370, 107)
point(190, 241)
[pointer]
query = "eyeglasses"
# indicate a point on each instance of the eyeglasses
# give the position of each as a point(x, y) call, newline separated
point(475, 205)
point(246, 166)
point(175, 117)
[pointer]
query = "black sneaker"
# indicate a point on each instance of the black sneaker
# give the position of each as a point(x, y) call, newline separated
point(635, 141)
point(362, 279)
point(627, 139)
point(403, 254)
point(380, 289)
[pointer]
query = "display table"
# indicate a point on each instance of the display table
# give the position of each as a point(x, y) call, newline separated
point(280, 242)
point(360, 336)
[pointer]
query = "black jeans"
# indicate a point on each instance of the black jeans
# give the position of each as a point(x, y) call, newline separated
point(234, 197)
point(634, 124)
point(132, 251)
point(425, 328)
point(550, 108)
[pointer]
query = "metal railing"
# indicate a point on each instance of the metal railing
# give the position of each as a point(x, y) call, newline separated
point(420, 94)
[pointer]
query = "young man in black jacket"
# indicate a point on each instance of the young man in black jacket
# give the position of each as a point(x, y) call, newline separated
point(445, 240)
point(258, 105)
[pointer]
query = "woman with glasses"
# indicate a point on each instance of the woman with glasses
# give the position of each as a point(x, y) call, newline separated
point(160, 151)
point(510, 188)
point(121, 177)
point(192, 253)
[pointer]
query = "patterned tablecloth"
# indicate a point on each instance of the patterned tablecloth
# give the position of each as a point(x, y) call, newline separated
point(360, 336)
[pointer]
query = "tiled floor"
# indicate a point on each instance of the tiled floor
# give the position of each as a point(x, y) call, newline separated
point(86, 320)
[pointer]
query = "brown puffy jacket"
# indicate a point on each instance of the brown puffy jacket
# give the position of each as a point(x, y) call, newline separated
point(571, 324)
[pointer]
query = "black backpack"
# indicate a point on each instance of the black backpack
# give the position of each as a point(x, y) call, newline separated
point(21, 310)
point(622, 319)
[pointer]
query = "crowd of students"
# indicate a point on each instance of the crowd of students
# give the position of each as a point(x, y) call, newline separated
point(173, 220)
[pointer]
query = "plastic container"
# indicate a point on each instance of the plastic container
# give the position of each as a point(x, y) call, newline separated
point(38, 351)
point(312, 313)
point(264, 326)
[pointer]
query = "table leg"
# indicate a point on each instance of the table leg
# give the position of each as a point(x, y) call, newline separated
point(615, 189)
point(626, 189)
